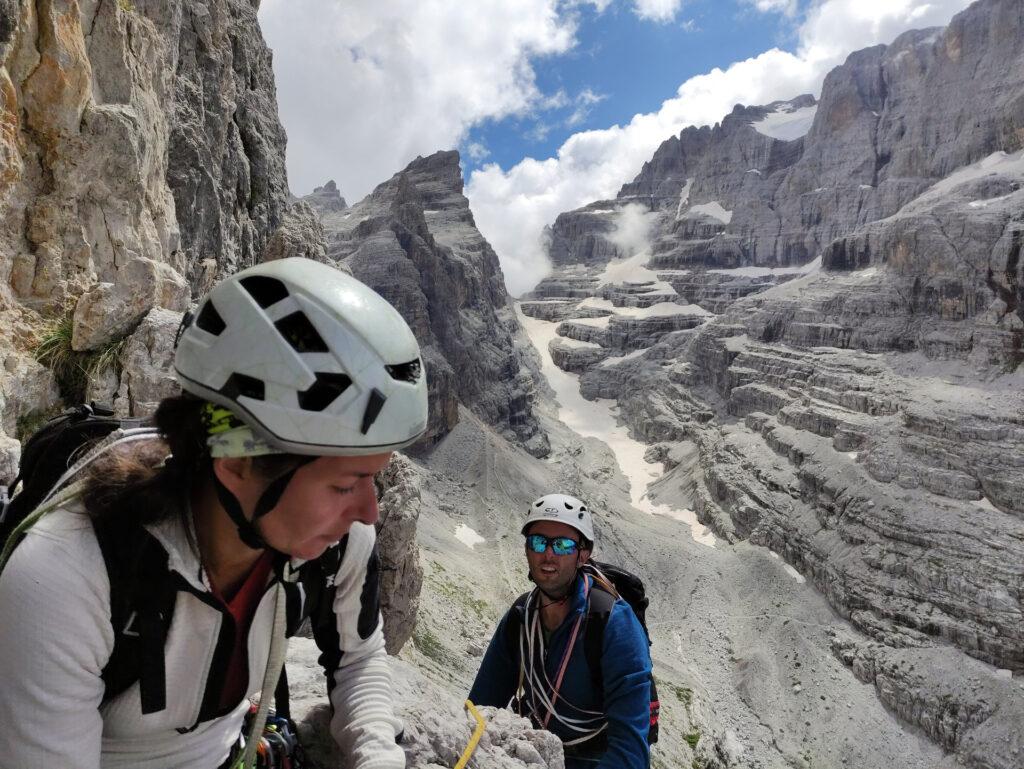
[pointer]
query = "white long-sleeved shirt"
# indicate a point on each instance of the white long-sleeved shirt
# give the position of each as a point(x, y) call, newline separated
point(56, 637)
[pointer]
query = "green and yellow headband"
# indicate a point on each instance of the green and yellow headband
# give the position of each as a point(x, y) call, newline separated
point(229, 436)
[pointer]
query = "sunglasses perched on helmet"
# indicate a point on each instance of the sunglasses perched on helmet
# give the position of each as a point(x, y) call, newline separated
point(538, 543)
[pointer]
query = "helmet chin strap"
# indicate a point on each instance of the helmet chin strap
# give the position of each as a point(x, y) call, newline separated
point(248, 530)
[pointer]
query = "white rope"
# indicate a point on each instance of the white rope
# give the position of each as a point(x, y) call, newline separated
point(532, 654)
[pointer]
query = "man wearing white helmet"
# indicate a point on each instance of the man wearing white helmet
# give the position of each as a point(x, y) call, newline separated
point(571, 655)
point(139, 616)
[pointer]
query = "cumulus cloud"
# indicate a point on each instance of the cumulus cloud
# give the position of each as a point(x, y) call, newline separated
point(364, 87)
point(662, 11)
point(513, 206)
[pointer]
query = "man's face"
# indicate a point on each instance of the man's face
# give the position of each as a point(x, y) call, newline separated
point(554, 574)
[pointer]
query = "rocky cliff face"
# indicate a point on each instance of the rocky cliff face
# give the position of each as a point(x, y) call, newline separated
point(774, 185)
point(142, 158)
point(413, 239)
point(859, 414)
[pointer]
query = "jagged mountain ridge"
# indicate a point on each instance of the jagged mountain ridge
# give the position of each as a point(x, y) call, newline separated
point(863, 419)
point(413, 239)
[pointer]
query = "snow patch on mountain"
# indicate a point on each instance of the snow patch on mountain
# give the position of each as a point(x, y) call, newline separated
point(786, 123)
point(713, 209)
point(467, 536)
point(598, 419)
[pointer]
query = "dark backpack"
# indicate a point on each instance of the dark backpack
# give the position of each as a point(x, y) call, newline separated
point(49, 452)
point(142, 589)
point(141, 599)
point(631, 588)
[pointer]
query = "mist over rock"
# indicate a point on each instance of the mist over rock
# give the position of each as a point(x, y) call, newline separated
point(414, 241)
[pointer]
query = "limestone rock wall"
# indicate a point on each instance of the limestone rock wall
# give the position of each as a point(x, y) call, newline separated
point(142, 158)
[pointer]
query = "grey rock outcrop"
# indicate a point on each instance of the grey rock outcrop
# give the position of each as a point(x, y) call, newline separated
point(437, 729)
point(143, 158)
point(327, 198)
point(401, 572)
point(226, 145)
point(300, 234)
point(414, 240)
point(147, 365)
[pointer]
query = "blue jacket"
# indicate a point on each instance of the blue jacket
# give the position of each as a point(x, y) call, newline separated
point(625, 668)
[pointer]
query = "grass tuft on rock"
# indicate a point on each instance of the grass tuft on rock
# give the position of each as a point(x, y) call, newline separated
point(72, 369)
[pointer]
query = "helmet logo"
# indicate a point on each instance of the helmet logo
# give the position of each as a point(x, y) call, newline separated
point(551, 510)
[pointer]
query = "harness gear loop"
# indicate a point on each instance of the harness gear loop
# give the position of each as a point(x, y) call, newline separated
point(475, 739)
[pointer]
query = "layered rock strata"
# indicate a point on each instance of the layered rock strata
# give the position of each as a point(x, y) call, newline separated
point(859, 415)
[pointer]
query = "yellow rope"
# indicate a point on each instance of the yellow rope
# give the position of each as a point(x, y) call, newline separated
point(477, 734)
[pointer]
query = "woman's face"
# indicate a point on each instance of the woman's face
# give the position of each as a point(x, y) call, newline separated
point(321, 502)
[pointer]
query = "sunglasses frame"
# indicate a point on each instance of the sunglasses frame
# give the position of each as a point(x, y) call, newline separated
point(550, 542)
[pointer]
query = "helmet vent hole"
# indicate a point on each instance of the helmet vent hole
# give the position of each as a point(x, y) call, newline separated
point(209, 319)
point(324, 391)
point(300, 333)
point(406, 372)
point(240, 384)
point(581, 515)
point(567, 506)
point(373, 407)
point(265, 290)
point(538, 503)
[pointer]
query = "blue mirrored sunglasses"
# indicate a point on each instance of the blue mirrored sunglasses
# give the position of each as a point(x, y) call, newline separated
point(538, 543)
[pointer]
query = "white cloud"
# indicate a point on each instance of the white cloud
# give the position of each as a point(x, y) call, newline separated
point(477, 151)
point(785, 7)
point(512, 206)
point(364, 87)
point(662, 11)
point(585, 101)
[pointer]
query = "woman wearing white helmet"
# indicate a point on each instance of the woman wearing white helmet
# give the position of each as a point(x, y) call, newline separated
point(137, 619)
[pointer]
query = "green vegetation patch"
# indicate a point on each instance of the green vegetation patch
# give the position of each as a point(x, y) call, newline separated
point(72, 369)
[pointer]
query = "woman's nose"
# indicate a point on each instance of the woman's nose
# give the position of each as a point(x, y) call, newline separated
point(368, 508)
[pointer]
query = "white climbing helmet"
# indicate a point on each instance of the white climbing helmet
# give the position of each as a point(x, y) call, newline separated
point(314, 361)
point(564, 509)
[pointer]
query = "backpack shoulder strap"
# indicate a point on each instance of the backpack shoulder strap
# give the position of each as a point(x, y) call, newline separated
point(600, 608)
point(514, 625)
point(142, 596)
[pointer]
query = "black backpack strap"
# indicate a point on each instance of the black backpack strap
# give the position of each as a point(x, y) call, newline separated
point(142, 597)
point(600, 608)
point(601, 603)
point(317, 578)
point(514, 624)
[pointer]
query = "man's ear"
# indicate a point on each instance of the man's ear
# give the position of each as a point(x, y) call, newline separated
point(584, 556)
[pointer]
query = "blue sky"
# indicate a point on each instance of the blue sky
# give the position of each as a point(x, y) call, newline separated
point(365, 86)
point(632, 65)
